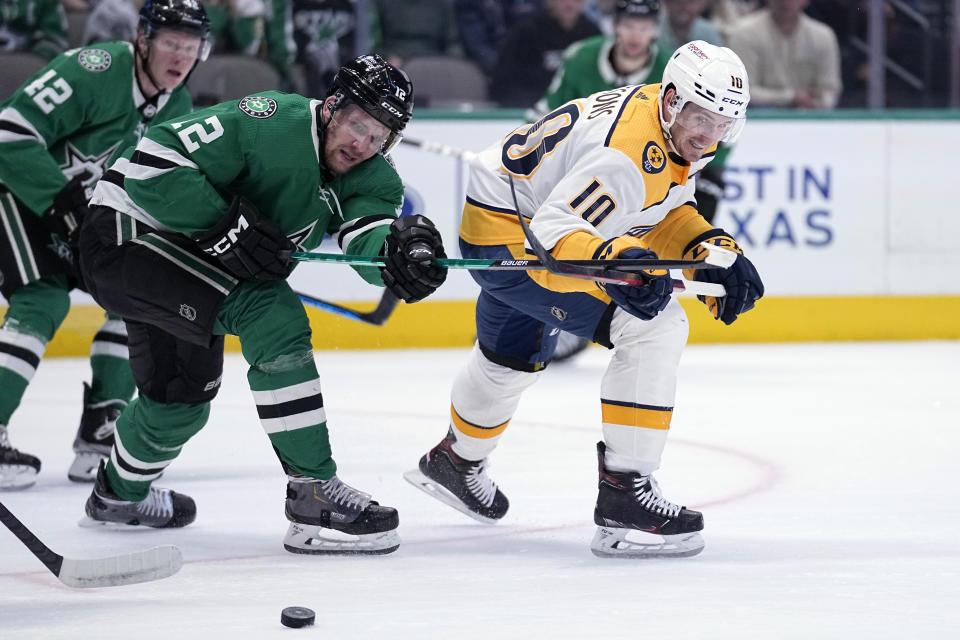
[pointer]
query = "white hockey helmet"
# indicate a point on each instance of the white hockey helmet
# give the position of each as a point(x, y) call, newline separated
point(709, 76)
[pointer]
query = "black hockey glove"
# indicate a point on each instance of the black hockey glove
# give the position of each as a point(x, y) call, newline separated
point(741, 281)
point(410, 248)
point(249, 245)
point(70, 206)
point(643, 301)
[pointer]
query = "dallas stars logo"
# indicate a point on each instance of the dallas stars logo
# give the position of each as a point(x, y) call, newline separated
point(299, 237)
point(258, 106)
point(89, 168)
point(94, 60)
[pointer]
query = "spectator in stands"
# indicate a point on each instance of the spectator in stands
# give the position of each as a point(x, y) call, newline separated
point(533, 51)
point(417, 28)
point(483, 26)
point(792, 60)
point(279, 47)
point(724, 14)
point(236, 25)
point(112, 20)
point(38, 27)
point(600, 63)
point(602, 12)
point(324, 32)
point(682, 21)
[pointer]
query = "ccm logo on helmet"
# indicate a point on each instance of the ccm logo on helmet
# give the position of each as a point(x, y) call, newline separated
point(735, 103)
point(392, 109)
point(229, 239)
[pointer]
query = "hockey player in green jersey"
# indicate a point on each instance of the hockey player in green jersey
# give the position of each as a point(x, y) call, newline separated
point(34, 26)
point(57, 133)
point(602, 63)
point(211, 207)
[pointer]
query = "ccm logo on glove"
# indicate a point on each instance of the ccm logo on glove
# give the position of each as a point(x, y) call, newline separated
point(230, 239)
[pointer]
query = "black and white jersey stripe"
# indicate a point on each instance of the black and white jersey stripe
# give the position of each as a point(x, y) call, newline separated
point(130, 468)
point(111, 340)
point(290, 408)
point(351, 229)
point(20, 353)
point(15, 128)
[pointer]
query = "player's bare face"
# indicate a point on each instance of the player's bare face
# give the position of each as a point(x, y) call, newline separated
point(172, 55)
point(695, 130)
point(634, 36)
point(352, 137)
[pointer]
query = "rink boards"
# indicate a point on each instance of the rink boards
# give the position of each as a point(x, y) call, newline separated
point(849, 220)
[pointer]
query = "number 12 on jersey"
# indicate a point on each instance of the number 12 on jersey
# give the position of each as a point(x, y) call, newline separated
point(197, 129)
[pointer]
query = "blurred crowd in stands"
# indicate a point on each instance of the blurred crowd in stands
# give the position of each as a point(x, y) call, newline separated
point(804, 54)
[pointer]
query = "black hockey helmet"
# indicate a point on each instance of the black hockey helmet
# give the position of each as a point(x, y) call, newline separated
point(187, 16)
point(636, 9)
point(380, 89)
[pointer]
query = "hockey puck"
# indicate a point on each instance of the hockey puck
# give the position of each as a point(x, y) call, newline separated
point(297, 617)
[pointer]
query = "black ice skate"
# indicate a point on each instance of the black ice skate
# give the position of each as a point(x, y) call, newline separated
point(18, 470)
point(462, 484)
point(94, 437)
point(331, 517)
point(161, 509)
point(629, 503)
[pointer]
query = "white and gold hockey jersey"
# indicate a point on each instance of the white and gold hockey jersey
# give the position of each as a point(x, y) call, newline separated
point(594, 177)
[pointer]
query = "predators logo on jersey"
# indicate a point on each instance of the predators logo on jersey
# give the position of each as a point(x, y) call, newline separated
point(654, 159)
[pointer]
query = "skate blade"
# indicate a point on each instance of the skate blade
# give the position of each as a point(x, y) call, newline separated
point(84, 467)
point(315, 540)
point(16, 477)
point(442, 494)
point(87, 522)
point(610, 542)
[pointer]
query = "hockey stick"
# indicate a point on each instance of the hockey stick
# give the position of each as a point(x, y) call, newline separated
point(377, 317)
point(112, 571)
point(602, 273)
point(443, 149)
point(519, 265)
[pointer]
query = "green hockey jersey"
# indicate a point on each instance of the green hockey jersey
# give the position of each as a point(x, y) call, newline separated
point(586, 70)
point(183, 174)
point(71, 117)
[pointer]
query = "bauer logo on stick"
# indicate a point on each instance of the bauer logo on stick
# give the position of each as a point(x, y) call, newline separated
point(258, 106)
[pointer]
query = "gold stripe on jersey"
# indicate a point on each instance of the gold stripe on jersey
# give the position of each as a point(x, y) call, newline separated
point(637, 133)
point(475, 431)
point(484, 225)
point(629, 414)
point(671, 236)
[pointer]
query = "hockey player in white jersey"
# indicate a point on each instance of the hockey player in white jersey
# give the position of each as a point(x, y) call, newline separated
point(607, 176)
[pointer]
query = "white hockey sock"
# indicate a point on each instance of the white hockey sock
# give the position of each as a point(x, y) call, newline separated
point(638, 388)
point(484, 397)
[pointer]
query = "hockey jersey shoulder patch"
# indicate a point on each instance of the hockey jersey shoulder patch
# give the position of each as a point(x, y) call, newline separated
point(258, 106)
point(654, 159)
point(95, 60)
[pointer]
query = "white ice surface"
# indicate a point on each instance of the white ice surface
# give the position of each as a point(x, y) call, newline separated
point(828, 475)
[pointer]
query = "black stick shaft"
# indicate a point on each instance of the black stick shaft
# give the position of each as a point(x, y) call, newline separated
point(52, 560)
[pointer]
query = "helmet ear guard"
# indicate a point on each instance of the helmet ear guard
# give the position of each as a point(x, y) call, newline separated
point(709, 76)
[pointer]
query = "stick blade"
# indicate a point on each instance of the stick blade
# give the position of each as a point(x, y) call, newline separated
point(141, 566)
